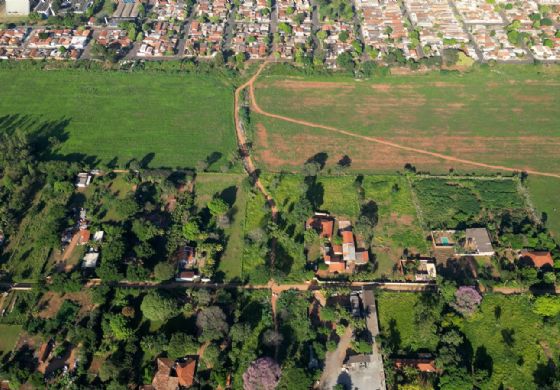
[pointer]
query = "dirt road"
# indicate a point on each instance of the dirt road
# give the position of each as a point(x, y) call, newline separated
point(334, 361)
point(259, 110)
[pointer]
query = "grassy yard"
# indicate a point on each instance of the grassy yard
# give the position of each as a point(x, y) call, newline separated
point(532, 343)
point(503, 116)
point(397, 313)
point(544, 195)
point(398, 226)
point(229, 188)
point(10, 334)
point(167, 120)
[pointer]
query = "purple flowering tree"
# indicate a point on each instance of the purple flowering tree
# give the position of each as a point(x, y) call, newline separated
point(467, 300)
point(262, 374)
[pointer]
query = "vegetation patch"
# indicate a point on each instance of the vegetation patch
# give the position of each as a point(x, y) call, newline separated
point(516, 340)
point(169, 120)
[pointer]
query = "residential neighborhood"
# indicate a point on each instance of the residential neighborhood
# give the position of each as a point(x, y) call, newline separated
point(504, 31)
point(280, 194)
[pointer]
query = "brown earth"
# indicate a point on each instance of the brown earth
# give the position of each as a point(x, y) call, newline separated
point(51, 303)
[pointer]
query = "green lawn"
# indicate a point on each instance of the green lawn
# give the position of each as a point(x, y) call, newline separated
point(397, 313)
point(513, 365)
point(544, 193)
point(179, 118)
point(502, 116)
point(10, 334)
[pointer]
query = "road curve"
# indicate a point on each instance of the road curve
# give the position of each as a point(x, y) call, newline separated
point(259, 110)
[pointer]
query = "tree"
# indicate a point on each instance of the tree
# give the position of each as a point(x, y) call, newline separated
point(262, 374)
point(211, 356)
point(191, 230)
point(467, 300)
point(217, 207)
point(549, 277)
point(272, 338)
point(212, 323)
point(164, 271)
point(343, 36)
point(120, 327)
point(547, 306)
point(180, 345)
point(157, 307)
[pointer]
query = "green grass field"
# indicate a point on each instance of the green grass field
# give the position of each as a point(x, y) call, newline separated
point(10, 334)
point(544, 193)
point(505, 115)
point(180, 118)
point(397, 313)
point(514, 365)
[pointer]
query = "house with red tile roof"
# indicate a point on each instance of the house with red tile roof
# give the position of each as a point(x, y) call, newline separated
point(538, 259)
point(421, 364)
point(340, 250)
point(172, 375)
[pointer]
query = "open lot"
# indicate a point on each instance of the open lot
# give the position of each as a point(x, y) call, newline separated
point(169, 120)
point(517, 360)
point(398, 324)
point(476, 116)
point(452, 202)
point(10, 334)
point(544, 195)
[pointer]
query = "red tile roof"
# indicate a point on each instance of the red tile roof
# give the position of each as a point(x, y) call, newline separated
point(336, 266)
point(423, 365)
point(84, 236)
point(539, 259)
point(185, 372)
point(347, 237)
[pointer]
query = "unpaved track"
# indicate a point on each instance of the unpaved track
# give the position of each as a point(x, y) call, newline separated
point(242, 142)
point(257, 109)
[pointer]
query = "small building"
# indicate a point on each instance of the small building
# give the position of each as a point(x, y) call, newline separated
point(83, 236)
point(17, 7)
point(187, 276)
point(90, 260)
point(172, 375)
point(83, 180)
point(421, 364)
point(355, 307)
point(478, 243)
point(98, 236)
point(358, 361)
point(538, 259)
point(422, 268)
point(323, 223)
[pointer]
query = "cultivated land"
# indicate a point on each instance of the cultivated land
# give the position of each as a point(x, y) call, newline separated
point(475, 116)
point(180, 119)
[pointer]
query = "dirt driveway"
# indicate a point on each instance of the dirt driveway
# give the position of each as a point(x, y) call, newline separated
point(334, 361)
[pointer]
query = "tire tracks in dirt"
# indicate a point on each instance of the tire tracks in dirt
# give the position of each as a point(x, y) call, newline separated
point(259, 110)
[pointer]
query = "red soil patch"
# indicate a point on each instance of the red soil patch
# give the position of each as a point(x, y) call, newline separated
point(51, 303)
point(294, 85)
